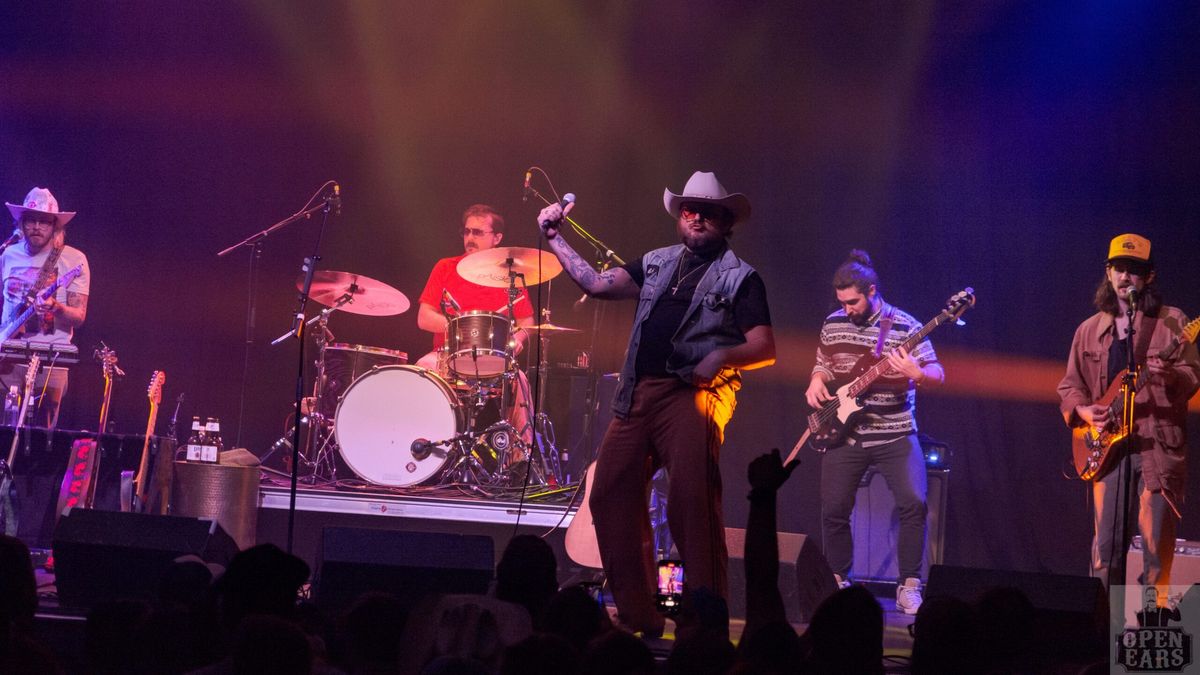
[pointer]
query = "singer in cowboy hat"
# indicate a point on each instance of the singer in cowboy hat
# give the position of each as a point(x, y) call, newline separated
point(701, 320)
point(38, 244)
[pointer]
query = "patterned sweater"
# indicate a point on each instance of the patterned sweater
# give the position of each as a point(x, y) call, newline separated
point(889, 404)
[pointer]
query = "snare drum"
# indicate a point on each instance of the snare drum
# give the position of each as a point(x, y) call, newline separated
point(477, 345)
point(383, 412)
point(345, 363)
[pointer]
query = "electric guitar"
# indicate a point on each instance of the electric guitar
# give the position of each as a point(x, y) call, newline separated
point(10, 329)
point(78, 487)
point(142, 479)
point(6, 474)
point(1096, 450)
point(580, 539)
point(827, 426)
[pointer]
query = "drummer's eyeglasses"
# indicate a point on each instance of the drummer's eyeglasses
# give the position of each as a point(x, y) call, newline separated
point(474, 232)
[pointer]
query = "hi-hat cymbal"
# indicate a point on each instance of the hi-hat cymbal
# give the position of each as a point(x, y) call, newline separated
point(551, 328)
point(490, 267)
point(369, 297)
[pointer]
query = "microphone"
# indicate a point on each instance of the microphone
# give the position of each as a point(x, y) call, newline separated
point(450, 299)
point(567, 199)
point(525, 194)
point(1133, 298)
point(336, 200)
point(16, 236)
point(421, 448)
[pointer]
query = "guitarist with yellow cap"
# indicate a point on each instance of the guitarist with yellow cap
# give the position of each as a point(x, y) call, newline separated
point(1134, 452)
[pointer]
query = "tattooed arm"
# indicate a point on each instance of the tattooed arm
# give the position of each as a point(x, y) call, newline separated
point(613, 284)
point(73, 312)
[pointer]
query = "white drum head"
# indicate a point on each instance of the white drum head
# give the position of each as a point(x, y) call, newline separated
point(383, 412)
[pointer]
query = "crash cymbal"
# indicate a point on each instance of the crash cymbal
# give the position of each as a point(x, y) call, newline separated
point(490, 267)
point(551, 328)
point(370, 297)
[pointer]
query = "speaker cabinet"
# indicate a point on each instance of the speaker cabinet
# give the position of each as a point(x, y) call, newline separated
point(108, 555)
point(408, 565)
point(876, 526)
point(805, 578)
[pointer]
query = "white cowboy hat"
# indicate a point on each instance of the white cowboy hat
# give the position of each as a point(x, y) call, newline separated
point(703, 187)
point(40, 200)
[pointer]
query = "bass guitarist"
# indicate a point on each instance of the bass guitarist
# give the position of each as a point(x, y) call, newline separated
point(884, 432)
point(38, 258)
point(1155, 452)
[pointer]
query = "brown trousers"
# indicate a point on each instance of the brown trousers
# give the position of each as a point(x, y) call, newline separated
point(680, 427)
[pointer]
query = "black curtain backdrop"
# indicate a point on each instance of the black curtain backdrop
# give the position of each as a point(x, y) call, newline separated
point(998, 145)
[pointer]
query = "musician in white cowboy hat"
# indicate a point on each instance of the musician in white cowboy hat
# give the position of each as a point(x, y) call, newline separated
point(703, 318)
point(28, 268)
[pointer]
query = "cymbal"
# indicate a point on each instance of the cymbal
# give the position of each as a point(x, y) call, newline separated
point(370, 297)
point(551, 328)
point(490, 267)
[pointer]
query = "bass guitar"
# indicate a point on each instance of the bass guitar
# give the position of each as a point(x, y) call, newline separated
point(6, 475)
point(827, 425)
point(1096, 450)
point(12, 327)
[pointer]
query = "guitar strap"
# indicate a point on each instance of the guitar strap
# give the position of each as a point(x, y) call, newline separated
point(1141, 344)
point(37, 322)
point(885, 327)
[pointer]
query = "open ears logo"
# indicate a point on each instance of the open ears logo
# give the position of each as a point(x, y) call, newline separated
point(1152, 628)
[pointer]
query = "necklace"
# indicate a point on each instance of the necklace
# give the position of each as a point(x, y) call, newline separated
point(680, 279)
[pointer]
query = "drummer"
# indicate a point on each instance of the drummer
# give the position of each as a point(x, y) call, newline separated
point(482, 229)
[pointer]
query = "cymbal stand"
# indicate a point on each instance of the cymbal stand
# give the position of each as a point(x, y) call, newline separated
point(317, 448)
point(543, 427)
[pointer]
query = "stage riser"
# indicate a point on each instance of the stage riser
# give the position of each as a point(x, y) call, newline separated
point(310, 526)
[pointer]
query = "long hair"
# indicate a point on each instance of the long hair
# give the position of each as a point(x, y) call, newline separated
point(1149, 302)
point(858, 272)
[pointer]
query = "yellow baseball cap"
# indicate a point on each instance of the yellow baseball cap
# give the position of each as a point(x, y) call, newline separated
point(1130, 247)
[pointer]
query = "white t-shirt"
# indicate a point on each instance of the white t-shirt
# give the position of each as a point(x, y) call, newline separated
point(19, 272)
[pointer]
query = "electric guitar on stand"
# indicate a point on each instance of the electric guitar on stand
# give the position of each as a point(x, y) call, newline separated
point(7, 507)
point(1096, 450)
point(78, 487)
point(135, 494)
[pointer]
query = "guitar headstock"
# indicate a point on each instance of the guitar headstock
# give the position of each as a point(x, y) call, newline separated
point(1191, 330)
point(156, 384)
point(107, 358)
point(31, 371)
point(960, 302)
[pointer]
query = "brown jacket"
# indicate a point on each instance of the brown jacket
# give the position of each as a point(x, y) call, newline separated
point(1160, 406)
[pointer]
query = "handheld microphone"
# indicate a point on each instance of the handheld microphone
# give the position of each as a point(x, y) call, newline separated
point(525, 194)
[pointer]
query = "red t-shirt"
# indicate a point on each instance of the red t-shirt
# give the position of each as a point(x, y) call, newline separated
point(468, 294)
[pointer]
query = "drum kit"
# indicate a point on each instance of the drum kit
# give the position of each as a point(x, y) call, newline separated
point(397, 424)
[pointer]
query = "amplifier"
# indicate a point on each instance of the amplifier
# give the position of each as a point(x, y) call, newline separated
point(876, 526)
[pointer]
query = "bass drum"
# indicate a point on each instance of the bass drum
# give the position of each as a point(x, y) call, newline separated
point(383, 412)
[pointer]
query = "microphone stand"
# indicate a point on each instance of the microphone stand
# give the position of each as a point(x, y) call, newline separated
point(298, 325)
point(605, 259)
point(1128, 393)
point(255, 242)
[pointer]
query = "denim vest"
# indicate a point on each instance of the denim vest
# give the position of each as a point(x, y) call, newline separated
point(707, 325)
